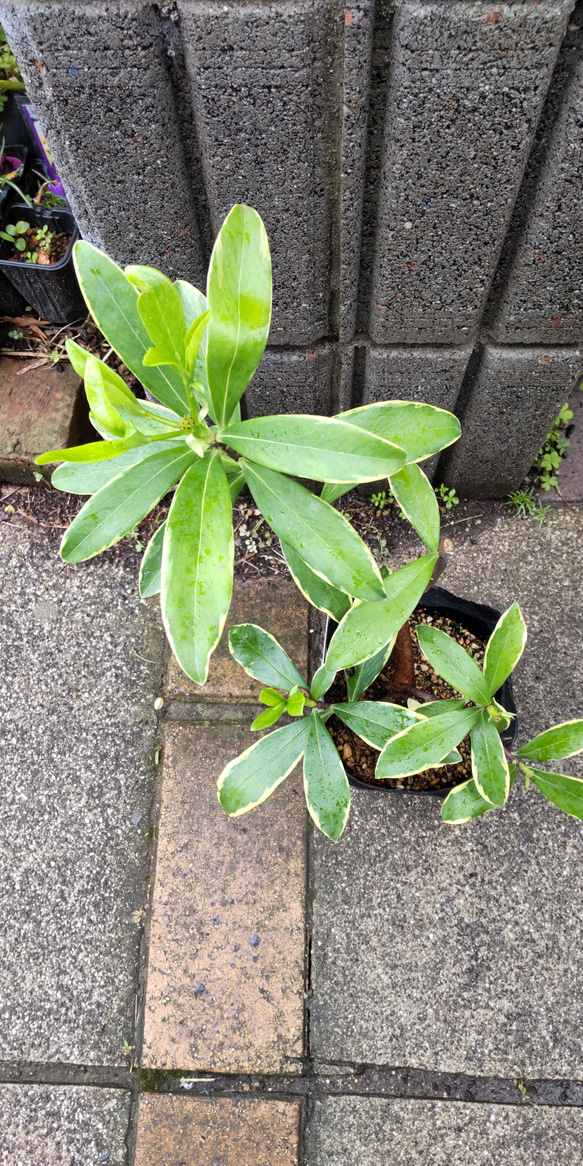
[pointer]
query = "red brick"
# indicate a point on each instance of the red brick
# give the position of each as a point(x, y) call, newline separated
point(42, 408)
point(215, 1000)
point(185, 1131)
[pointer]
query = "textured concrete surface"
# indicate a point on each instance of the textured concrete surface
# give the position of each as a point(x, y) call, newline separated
point(225, 1132)
point(539, 300)
point(253, 67)
point(465, 94)
point(77, 774)
point(63, 1125)
point(99, 83)
point(432, 375)
point(43, 408)
point(292, 382)
point(506, 416)
point(347, 1131)
point(277, 606)
point(458, 949)
point(225, 975)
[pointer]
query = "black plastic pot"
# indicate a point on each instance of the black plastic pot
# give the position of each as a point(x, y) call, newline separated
point(52, 291)
point(479, 619)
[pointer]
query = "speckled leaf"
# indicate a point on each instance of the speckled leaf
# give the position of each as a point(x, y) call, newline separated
point(259, 653)
point(565, 792)
point(321, 536)
point(489, 764)
point(325, 781)
point(425, 743)
point(253, 775)
point(316, 590)
point(421, 430)
point(563, 740)
point(453, 663)
point(375, 721)
point(151, 565)
point(504, 648)
point(197, 565)
point(417, 500)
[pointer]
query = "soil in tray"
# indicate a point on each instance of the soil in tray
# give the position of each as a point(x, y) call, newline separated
point(360, 759)
point(48, 249)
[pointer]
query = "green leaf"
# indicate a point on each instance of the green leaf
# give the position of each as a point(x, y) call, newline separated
point(321, 682)
point(160, 310)
point(368, 627)
point(421, 430)
point(323, 448)
point(424, 744)
point(235, 477)
point(151, 566)
point(271, 697)
point(463, 803)
point(363, 675)
point(120, 505)
point(269, 717)
point(239, 294)
point(504, 648)
point(417, 500)
point(197, 565)
point(294, 704)
point(489, 764)
point(252, 777)
point(89, 477)
point(565, 792)
point(453, 663)
point(321, 536)
point(501, 718)
point(193, 339)
point(77, 355)
point(316, 590)
point(112, 403)
point(259, 653)
point(333, 490)
point(94, 451)
point(561, 741)
point(325, 781)
point(113, 303)
point(436, 708)
point(374, 720)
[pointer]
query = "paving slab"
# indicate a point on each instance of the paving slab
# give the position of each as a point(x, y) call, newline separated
point(174, 1131)
point(40, 408)
point(276, 605)
point(226, 964)
point(459, 949)
point(346, 1131)
point(63, 1125)
point(78, 729)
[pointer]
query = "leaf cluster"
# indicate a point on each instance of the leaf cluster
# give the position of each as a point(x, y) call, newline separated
point(196, 354)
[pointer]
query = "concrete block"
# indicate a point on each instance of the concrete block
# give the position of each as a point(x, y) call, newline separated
point(293, 382)
point(539, 300)
point(431, 375)
point(346, 1130)
point(58, 1124)
point(233, 1132)
point(276, 605)
point(508, 412)
point(459, 949)
point(356, 73)
point(226, 961)
point(42, 408)
point(78, 773)
point(99, 83)
point(465, 94)
point(264, 96)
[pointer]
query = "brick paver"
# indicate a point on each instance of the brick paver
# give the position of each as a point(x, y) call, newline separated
point(42, 408)
point(182, 1131)
point(225, 979)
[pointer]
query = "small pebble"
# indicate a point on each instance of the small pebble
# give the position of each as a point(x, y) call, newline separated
point(199, 989)
point(159, 701)
point(255, 941)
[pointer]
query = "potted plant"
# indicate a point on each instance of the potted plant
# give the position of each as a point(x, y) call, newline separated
point(196, 354)
point(36, 255)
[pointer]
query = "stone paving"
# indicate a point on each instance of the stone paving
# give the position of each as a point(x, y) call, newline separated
point(144, 1029)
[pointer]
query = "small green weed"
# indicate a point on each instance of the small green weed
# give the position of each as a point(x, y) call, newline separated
point(15, 334)
point(447, 497)
point(379, 500)
point(527, 505)
point(553, 450)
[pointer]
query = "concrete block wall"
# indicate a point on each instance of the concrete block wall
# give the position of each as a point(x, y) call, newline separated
point(417, 164)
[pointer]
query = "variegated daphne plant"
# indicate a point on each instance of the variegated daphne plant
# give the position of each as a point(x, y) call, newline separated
point(196, 354)
point(410, 740)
